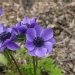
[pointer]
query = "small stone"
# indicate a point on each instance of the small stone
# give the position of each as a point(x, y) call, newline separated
point(74, 69)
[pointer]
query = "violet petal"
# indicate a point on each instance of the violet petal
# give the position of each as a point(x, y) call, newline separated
point(38, 29)
point(12, 46)
point(31, 34)
point(32, 53)
point(33, 20)
point(18, 24)
point(40, 52)
point(52, 41)
point(46, 34)
point(13, 35)
point(26, 20)
point(22, 29)
point(0, 44)
point(32, 25)
point(48, 46)
point(6, 42)
point(1, 28)
point(2, 48)
point(1, 11)
point(29, 45)
point(14, 28)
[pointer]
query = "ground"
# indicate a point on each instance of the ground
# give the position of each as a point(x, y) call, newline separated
point(59, 17)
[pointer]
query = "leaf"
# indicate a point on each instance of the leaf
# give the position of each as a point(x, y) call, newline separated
point(3, 60)
point(47, 65)
point(10, 72)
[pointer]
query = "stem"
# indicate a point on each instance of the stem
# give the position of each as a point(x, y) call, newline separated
point(34, 65)
point(15, 64)
point(36, 62)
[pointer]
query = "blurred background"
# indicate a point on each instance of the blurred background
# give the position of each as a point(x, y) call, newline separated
point(56, 14)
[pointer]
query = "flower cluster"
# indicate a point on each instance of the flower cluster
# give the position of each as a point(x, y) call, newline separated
point(39, 41)
point(22, 27)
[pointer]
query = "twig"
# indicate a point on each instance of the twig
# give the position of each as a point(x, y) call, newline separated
point(67, 60)
point(65, 29)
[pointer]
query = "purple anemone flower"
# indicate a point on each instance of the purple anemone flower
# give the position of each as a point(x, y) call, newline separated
point(39, 41)
point(7, 36)
point(21, 27)
point(1, 11)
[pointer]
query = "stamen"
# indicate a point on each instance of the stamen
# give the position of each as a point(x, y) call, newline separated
point(4, 36)
point(38, 41)
point(26, 24)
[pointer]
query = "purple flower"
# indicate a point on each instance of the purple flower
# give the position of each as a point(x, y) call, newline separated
point(30, 23)
point(21, 27)
point(1, 11)
point(39, 41)
point(7, 36)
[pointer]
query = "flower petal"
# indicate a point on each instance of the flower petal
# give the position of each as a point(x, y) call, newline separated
point(6, 42)
point(12, 46)
point(22, 29)
point(9, 29)
point(18, 24)
point(32, 53)
point(31, 34)
point(29, 45)
point(2, 48)
point(1, 11)
point(38, 29)
point(32, 25)
point(1, 28)
point(26, 20)
point(0, 44)
point(52, 41)
point(14, 28)
point(48, 46)
point(13, 35)
point(40, 52)
point(46, 34)
point(33, 20)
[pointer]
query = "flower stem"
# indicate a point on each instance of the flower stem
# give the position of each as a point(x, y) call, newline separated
point(34, 65)
point(15, 64)
point(36, 62)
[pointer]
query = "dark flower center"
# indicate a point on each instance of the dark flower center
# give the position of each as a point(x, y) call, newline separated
point(28, 25)
point(4, 36)
point(38, 41)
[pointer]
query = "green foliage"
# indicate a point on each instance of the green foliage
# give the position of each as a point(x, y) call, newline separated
point(10, 72)
point(21, 52)
point(46, 65)
point(3, 60)
point(28, 69)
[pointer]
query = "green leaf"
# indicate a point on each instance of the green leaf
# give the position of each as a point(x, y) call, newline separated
point(10, 72)
point(3, 60)
point(47, 65)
